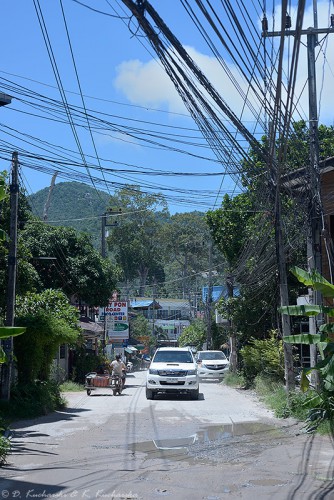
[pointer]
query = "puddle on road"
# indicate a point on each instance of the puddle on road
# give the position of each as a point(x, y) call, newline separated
point(231, 442)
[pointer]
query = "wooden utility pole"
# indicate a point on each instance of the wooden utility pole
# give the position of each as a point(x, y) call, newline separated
point(11, 287)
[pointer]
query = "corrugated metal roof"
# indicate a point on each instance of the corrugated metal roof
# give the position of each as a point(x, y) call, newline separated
point(142, 304)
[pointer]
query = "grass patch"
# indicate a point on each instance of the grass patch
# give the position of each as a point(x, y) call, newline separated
point(70, 386)
point(284, 404)
point(234, 380)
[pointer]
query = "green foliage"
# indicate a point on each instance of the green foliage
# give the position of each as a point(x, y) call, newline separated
point(36, 349)
point(321, 402)
point(140, 326)
point(263, 357)
point(184, 247)
point(194, 334)
point(324, 340)
point(4, 441)
point(34, 399)
point(5, 333)
point(232, 379)
point(70, 386)
point(246, 313)
point(77, 269)
point(50, 321)
point(284, 404)
point(4, 447)
point(320, 409)
point(228, 225)
point(135, 242)
point(53, 302)
point(85, 362)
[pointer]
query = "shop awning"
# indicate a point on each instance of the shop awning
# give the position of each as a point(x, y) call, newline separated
point(130, 349)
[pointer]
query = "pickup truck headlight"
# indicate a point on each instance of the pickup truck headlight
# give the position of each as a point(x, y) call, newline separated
point(192, 372)
point(153, 371)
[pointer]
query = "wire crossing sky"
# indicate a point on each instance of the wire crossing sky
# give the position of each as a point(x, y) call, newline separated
point(97, 100)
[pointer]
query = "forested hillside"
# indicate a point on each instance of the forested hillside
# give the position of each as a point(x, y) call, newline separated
point(73, 204)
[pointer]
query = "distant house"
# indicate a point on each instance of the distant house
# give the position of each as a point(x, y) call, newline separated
point(170, 316)
point(93, 334)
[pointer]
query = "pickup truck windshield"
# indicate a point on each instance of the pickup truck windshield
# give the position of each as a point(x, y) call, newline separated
point(172, 357)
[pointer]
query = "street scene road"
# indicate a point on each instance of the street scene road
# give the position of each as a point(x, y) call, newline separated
point(225, 445)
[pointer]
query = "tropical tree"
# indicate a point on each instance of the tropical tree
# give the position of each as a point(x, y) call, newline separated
point(184, 242)
point(67, 260)
point(229, 226)
point(194, 334)
point(134, 243)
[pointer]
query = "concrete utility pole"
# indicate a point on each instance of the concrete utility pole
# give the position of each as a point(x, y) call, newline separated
point(315, 208)
point(109, 212)
point(209, 302)
point(11, 288)
point(233, 338)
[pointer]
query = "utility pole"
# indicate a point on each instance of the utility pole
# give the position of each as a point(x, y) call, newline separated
point(109, 212)
point(209, 301)
point(233, 339)
point(315, 206)
point(11, 287)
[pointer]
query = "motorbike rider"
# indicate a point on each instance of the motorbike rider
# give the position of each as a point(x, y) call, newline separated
point(118, 368)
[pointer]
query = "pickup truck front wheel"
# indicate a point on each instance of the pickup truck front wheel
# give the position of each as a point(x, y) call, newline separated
point(194, 394)
point(149, 394)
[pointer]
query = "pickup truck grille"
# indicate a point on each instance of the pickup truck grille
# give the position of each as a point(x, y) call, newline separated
point(214, 367)
point(172, 373)
point(162, 382)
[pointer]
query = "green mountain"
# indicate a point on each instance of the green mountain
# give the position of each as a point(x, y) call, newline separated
point(73, 204)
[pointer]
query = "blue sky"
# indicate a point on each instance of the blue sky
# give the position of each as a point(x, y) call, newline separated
point(122, 83)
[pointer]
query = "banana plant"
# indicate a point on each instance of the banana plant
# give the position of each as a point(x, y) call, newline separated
point(324, 340)
point(5, 333)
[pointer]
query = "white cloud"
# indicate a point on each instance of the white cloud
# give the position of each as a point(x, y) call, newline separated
point(147, 84)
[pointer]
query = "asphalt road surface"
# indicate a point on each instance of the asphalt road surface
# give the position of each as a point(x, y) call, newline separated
point(226, 445)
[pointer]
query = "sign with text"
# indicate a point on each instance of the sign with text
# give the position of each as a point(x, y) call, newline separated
point(115, 316)
point(117, 310)
point(120, 332)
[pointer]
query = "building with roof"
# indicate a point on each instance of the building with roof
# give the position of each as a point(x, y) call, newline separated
point(170, 316)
